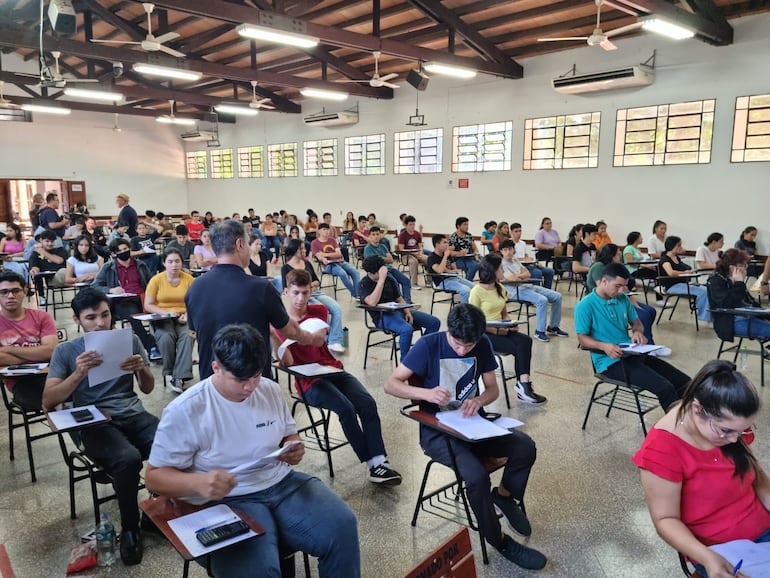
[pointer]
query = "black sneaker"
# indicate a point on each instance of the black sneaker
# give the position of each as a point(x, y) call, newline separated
point(525, 393)
point(131, 547)
point(385, 475)
point(522, 555)
point(555, 330)
point(512, 511)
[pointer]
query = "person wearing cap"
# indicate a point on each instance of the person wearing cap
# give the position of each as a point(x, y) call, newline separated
point(47, 258)
point(127, 213)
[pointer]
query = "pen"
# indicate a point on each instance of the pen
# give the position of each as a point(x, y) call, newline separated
point(737, 567)
point(217, 525)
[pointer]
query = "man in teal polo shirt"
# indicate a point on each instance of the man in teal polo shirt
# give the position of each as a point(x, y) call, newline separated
point(602, 321)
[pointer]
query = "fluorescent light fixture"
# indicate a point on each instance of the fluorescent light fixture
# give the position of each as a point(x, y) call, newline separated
point(669, 29)
point(171, 119)
point(166, 72)
point(277, 36)
point(93, 94)
point(446, 69)
point(236, 110)
point(45, 109)
point(323, 94)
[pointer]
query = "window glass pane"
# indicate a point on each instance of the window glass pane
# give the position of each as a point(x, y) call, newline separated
point(222, 164)
point(567, 139)
point(320, 158)
point(676, 133)
point(251, 162)
point(282, 160)
point(418, 151)
point(751, 129)
point(478, 148)
point(197, 165)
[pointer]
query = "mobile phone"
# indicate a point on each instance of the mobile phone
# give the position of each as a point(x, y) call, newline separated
point(81, 415)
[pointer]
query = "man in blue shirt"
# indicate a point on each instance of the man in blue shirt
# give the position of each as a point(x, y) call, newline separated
point(602, 320)
point(448, 367)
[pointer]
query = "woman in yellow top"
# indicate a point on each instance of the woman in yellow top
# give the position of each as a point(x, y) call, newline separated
point(165, 296)
point(490, 296)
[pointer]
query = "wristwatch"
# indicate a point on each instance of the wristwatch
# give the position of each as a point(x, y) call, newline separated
point(764, 283)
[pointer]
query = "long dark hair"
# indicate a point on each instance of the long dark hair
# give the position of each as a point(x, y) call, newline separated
point(670, 243)
point(719, 389)
point(91, 256)
point(607, 253)
point(488, 272)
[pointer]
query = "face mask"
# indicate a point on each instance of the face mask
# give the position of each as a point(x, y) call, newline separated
point(124, 255)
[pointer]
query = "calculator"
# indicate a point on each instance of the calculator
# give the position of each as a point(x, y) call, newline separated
point(221, 533)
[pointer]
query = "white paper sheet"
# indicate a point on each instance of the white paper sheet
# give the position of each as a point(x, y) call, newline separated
point(63, 420)
point(187, 526)
point(155, 316)
point(395, 305)
point(284, 346)
point(756, 557)
point(313, 369)
point(313, 324)
point(115, 347)
point(637, 348)
point(23, 369)
point(266, 460)
point(508, 422)
point(474, 427)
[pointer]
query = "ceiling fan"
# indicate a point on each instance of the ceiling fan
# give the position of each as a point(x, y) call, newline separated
point(4, 103)
point(150, 43)
point(598, 37)
point(258, 102)
point(377, 81)
point(53, 78)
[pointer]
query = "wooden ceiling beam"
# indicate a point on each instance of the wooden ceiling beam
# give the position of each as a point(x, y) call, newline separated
point(110, 54)
point(133, 31)
point(238, 14)
point(471, 37)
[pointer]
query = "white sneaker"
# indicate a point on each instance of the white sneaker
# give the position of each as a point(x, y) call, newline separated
point(416, 287)
point(662, 352)
point(337, 347)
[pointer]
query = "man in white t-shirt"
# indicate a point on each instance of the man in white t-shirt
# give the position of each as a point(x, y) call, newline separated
point(536, 271)
point(203, 452)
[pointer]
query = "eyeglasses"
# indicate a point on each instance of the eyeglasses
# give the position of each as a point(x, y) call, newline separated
point(726, 433)
point(15, 292)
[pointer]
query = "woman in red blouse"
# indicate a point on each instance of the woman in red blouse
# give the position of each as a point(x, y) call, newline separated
point(701, 481)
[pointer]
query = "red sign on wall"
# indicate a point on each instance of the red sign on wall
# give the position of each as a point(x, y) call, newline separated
point(462, 183)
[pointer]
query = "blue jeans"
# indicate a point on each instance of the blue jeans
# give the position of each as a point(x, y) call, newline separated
point(403, 282)
point(335, 315)
point(646, 315)
point(763, 537)
point(273, 242)
point(305, 515)
point(540, 297)
point(544, 273)
point(343, 394)
point(759, 327)
point(701, 298)
point(396, 322)
point(462, 286)
point(469, 265)
point(347, 274)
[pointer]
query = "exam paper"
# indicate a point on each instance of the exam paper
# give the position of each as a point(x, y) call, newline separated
point(313, 324)
point(313, 369)
point(756, 557)
point(63, 420)
point(185, 527)
point(474, 427)
point(115, 346)
point(638, 348)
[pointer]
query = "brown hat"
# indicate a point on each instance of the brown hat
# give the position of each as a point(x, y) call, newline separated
point(124, 196)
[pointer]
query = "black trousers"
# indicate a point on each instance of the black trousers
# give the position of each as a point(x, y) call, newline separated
point(654, 375)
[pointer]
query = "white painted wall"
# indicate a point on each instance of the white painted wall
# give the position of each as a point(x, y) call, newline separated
point(694, 200)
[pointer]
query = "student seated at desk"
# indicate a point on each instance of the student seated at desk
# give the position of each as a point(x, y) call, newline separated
point(85, 264)
point(13, 247)
point(378, 287)
point(602, 320)
point(166, 294)
point(584, 253)
point(450, 367)
point(341, 392)
point(29, 336)
point(47, 258)
point(727, 290)
point(490, 296)
point(633, 255)
point(702, 483)
point(200, 454)
point(464, 248)
point(377, 246)
point(120, 445)
point(671, 265)
point(707, 255)
point(410, 239)
point(656, 243)
point(441, 263)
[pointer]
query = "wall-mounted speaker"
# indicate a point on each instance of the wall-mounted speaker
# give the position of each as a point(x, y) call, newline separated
point(417, 79)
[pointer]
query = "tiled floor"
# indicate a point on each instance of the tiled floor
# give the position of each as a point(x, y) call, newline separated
point(584, 497)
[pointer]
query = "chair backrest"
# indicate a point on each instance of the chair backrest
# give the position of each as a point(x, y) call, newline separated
point(452, 559)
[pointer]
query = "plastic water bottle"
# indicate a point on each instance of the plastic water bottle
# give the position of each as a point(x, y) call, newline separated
point(744, 361)
point(105, 542)
point(345, 337)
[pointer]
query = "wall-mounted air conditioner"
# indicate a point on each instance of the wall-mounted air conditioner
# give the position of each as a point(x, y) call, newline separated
point(629, 77)
point(344, 118)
